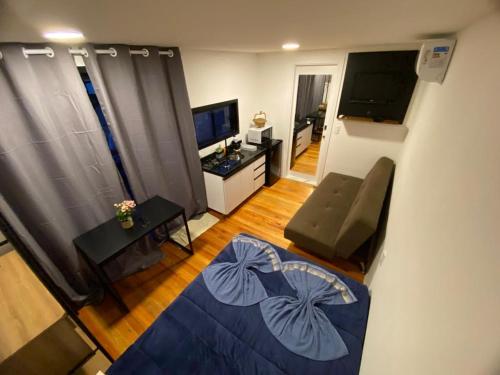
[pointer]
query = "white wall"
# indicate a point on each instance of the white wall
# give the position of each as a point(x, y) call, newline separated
point(435, 297)
point(276, 74)
point(213, 77)
point(359, 144)
point(266, 82)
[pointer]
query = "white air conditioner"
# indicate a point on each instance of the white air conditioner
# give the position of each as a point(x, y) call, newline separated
point(434, 58)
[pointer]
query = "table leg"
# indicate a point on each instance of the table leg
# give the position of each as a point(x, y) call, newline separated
point(108, 287)
point(189, 250)
point(187, 232)
point(167, 232)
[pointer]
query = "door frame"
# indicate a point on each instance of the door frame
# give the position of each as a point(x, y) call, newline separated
point(316, 69)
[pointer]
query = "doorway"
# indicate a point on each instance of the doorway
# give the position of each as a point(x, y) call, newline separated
point(312, 111)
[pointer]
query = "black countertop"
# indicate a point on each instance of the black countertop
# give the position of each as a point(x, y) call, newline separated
point(227, 168)
point(300, 126)
point(316, 114)
point(107, 240)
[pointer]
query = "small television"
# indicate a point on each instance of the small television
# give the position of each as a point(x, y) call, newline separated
point(378, 85)
point(215, 122)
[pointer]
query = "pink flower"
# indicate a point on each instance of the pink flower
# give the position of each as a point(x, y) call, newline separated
point(125, 206)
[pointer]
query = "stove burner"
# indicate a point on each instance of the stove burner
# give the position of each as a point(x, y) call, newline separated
point(225, 166)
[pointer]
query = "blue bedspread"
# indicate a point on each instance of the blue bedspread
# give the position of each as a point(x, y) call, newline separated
point(197, 334)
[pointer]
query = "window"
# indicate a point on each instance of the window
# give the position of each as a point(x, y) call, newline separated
point(105, 128)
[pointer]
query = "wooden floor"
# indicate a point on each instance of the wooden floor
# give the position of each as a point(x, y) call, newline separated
point(26, 307)
point(307, 162)
point(148, 293)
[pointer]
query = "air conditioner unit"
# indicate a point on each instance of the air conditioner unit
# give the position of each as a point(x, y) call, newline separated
point(434, 59)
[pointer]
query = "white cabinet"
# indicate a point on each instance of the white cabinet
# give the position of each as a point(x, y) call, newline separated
point(237, 188)
point(225, 195)
point(303, 140)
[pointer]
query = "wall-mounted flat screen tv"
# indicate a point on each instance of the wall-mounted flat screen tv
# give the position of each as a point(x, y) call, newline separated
point(378, 85)
point(215, 122)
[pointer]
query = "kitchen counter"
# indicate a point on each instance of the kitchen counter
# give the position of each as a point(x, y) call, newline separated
point(227, 168)
point(300, 126)
point(313, 116)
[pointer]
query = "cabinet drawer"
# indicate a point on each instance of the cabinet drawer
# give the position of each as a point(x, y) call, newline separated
point(301, 134)
point(299, 148)
point(259, 166)
point(259, 181)
point(256, 164)
point(257, 172)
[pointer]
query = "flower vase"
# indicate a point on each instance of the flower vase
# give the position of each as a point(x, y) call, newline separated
point(128, 223)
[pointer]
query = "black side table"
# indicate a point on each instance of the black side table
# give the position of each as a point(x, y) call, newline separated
point(108, 240)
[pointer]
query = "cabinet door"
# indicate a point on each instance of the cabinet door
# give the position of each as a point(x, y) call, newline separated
point(214, 186)
point(237, 188)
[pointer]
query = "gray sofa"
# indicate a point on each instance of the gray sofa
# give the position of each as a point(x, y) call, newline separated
point(342, 213)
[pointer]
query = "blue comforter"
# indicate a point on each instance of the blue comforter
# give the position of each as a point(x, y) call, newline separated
point(198, 334)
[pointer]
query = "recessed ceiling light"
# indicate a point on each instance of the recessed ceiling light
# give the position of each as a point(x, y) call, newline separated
point(63, 35)
point(290, 46)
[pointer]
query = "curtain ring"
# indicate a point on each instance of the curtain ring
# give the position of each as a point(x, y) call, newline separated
point(170, 53)
point(145, 52)
point(50, 52)
point(113, 52)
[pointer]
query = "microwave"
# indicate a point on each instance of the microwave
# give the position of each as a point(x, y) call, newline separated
point(260, 135)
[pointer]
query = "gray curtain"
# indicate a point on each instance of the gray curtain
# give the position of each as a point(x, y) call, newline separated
point(58, 179)
point(146, 104)
point(309, 94)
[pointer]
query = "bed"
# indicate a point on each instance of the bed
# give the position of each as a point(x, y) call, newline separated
point(256, 309)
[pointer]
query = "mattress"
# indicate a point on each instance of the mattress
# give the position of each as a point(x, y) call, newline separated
point(199, 334)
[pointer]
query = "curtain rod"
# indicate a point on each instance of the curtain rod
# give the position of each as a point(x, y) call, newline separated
point(83, 52)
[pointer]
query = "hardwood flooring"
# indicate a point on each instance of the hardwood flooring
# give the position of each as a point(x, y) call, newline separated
point(148, 293)
point(26, 307)
point(307, 162)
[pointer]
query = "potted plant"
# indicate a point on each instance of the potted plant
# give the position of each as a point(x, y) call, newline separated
point(219, 152)
point(124, 211)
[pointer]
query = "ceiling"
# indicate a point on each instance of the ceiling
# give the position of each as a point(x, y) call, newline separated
point(235, 25)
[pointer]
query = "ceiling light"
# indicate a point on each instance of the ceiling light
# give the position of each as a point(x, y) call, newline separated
point(290, 46)
point(63, 35)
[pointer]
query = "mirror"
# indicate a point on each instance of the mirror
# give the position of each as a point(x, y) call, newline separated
point(310, 109)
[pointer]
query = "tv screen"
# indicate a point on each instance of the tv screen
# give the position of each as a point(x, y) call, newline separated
point(381, 88)
point(215, 122)
point(378, 85)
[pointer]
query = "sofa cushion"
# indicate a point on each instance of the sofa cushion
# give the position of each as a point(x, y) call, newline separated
point(362, 220)
point(317, 223)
